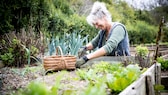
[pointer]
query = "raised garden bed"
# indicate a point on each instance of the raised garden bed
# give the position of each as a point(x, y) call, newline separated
point(71, 82)
point(144, 84)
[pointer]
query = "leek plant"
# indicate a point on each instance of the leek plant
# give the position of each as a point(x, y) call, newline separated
point(75, 42)
point(69, 43)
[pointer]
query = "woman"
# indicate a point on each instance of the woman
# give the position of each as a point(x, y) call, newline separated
point(112, 39)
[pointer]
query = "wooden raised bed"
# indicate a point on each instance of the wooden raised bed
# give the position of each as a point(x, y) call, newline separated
point(142, 86)
point(145, 84)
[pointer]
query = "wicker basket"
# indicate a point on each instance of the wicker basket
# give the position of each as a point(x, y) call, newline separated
point(59, 62)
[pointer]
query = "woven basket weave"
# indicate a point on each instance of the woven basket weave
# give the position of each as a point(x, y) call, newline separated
point(59, 62)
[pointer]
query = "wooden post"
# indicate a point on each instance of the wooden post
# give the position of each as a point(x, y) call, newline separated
point(158, 74)
point(158, 38)
point(149, 86)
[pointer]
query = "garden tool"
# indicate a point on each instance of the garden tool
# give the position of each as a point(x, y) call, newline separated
point(82, 52)
point(80, 62)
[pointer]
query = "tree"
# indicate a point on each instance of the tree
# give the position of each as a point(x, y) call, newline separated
point(17, 14)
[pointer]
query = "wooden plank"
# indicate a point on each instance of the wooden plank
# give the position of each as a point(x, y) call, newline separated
point(110, 59)
point(150, 72)
point(149, 86)
point(136, 88)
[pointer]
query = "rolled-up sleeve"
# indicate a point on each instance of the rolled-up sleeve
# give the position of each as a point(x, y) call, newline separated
point(116, 37)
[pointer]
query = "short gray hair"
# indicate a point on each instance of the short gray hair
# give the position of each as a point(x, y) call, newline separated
point(98, 11)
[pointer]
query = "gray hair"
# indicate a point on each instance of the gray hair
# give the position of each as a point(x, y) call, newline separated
point(98, 11)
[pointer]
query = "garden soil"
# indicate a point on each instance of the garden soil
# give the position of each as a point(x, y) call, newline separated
point(13, 79)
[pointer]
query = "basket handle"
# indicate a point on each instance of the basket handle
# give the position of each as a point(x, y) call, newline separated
point(59, 48)
point(63, 59)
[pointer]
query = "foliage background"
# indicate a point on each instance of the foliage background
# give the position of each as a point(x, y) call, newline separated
point(40, 20)
point(59, 16)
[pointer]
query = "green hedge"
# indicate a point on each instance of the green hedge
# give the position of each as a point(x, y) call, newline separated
point(141, 32)
point(61, 23)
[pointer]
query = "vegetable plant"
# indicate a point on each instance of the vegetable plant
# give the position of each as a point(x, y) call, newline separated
point(163, 62)
point(115, 75)
point(97, 89)
point(69, 43)
point(40, 88)
point(103, 78)
point(123, 77)
point(142, 55)
point(142, 50)
point(35, 88)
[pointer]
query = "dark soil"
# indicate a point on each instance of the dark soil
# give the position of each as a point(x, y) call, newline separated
point(13, 79)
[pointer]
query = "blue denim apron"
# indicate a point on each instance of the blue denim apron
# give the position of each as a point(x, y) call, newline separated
point(122, 48)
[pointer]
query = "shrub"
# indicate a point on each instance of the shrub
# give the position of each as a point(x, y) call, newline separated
point(142, 51)
point(7, 58)
point(61, 24)
point(163, 62)
point(13, 54)
point(141, 32)
point(19, 47)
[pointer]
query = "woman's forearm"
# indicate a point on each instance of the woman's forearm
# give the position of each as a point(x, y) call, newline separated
point(97, 53)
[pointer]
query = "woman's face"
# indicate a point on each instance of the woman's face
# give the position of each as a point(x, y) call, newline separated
point(100, 23)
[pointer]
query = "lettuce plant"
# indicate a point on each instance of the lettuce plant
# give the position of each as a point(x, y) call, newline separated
point(163, 62)
point(115, 76)
point(123, 77)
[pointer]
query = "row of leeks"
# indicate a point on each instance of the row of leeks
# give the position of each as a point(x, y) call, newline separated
point(69, 43)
